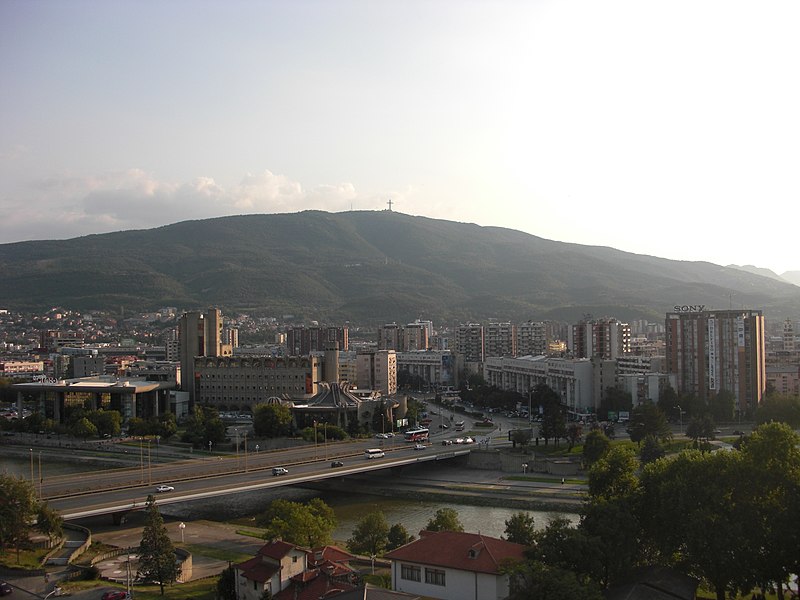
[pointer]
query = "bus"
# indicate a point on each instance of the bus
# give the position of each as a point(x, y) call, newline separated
point(373, 453)
point(416, 435)
point(459, 425)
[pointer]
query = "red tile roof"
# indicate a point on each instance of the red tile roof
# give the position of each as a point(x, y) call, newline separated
point(256, 569)
point(328, 553)
point(277, 549)
point(465, 551)
point(315, 588)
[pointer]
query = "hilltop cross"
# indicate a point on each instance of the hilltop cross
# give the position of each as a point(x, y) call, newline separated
point(390, 204)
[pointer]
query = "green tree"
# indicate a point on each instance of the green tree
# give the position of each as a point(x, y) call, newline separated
point(614, 475)
point(559, 545)
point(226, 584)
point(370, 536)
point(521, 437)
point(722, 406)
point(107, 422)
point(303, 524)
point(18, 507)
point(203, 426)
point(49, 522)
point(167, 425)
point(615, 400)
point(612, 544)
point(595, 447)
point(651, 450)
point(648, 420)
point(520, 529)
point(272, 420)
point(533, 579)
point(84, 428)
point(688, 506)
point(445, 519)
point(668, 401)
point(554, 414)
point(574, 434)
point(780, 408)
point(156, 553)
point(398, 536)
point(700, 428)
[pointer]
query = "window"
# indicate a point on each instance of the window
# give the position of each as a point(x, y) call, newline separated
point(409, 572)
point(434, 576)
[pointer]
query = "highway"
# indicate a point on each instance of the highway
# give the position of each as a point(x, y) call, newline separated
point(119, 490)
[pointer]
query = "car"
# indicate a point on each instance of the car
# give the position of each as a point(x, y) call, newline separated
point(336, 463)
point(419, 446)
point(389, 434)
point(5, 588)
point(738, 432)
point(447, 442)
point(165, 488)
point(469, 440)
point(459, 440)
point(115, 595)
point(280, 471)
point(443, 426)
point(381, 436)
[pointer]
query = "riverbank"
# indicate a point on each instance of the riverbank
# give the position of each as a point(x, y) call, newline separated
point(438, 482)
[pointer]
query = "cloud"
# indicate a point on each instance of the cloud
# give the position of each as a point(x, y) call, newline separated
point(67, 205)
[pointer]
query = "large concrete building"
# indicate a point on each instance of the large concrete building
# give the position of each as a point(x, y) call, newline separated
point(605, 339)
point(377, 371)
point(710, 351)
point(301, 341)
point(469, 338)
point(434, 367)
point(500, 339)
point(200, 335)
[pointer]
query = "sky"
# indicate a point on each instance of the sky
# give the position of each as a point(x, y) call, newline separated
point(668, 128)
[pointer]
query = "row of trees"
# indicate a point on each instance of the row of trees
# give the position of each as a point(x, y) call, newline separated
point(21, 514)
point(731, 519)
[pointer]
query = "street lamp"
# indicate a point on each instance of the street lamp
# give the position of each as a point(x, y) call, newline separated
point(680, 417)
point(33, 481)
point(209, 446)
point(181, 526)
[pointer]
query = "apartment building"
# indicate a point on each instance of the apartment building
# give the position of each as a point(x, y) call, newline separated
point(500, 339)
point(606, 339)
point(709, 351)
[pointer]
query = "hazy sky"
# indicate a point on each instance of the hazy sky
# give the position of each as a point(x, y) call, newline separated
point(669, 128)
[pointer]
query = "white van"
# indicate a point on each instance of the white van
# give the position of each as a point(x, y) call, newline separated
point(373, 453)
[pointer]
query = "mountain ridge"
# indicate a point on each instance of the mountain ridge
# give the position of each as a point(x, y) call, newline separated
point(368, 266)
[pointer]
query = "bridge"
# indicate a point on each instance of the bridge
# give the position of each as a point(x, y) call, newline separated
point(119, 491)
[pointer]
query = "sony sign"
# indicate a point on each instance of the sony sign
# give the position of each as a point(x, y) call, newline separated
point(689, 308)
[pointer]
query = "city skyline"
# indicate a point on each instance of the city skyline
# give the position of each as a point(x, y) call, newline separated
point(648, 128)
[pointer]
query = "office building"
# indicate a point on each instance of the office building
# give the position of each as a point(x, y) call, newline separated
point(301, 341)
point(710, 351)
point(200, 334)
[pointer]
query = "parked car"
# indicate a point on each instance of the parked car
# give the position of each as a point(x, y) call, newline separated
point(280, 471)
point(419, 446)
point(447, 442)
point(336, 463)
point(738, 432)
point(115, 595)
point(381, 436)
point(5, 588)
point(165, 488)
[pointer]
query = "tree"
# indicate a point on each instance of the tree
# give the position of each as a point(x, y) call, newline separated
point(614, 475)
point(521, 437)
point(520, 529)
point(445, 519)
point(49, 522)
point(554, 415)
point(167, 425)
point(108, 422)
point(648, 420)
point(533, 579)
point(668, 401)
point(689, 507)
point(574, 434)
point(18, 507)
point(781, 408)
point(700, 428)
point(595, 447)
point(612, 545)
point(272, 420)
point(615, 400)
point(84, 428)
point(651, 450)
point(226, 584)
point(370, 536)
point(398, 536)
point(203, 426)
point(156, 554)
point(722, 406)
point(303, 524)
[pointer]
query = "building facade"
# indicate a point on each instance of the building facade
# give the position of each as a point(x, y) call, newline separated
point(377, 371)
point(435, 367)
point(500, 339)
point(712, 351)
point(200, 335)
point(605, 339)
point(305, 340)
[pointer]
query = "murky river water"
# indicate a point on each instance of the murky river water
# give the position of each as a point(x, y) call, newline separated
point(349, 508)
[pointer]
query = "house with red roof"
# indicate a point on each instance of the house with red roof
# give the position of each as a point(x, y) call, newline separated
point(271, 569)
point(454, 565)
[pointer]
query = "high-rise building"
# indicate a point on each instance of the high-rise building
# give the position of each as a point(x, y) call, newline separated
point(500, 339)
point(469, 342)
point(200, 335)
point(390, 337)
point(301, 341)
point(377, 371)
point(532, 339)
point(605, 339)
point(713, 351)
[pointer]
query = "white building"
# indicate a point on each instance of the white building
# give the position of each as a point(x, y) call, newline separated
point(454, 565)
point(433, 366)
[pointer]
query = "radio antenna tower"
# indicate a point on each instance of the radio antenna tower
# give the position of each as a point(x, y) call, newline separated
point(390, 204)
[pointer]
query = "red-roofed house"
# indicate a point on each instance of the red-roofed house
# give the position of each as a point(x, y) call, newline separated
point(454, 566)
point(270, 569)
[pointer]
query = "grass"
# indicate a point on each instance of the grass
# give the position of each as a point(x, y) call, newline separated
point(28, 559)
point(199, 589)
point(216, 553)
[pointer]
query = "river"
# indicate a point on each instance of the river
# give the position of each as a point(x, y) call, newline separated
point(349, 508)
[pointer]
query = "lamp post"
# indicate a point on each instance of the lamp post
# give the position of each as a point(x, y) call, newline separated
point(41, 479)
point(245, 452)
point(680, 417)
point(210, 443)
point(33, 481)
point(181, 526)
